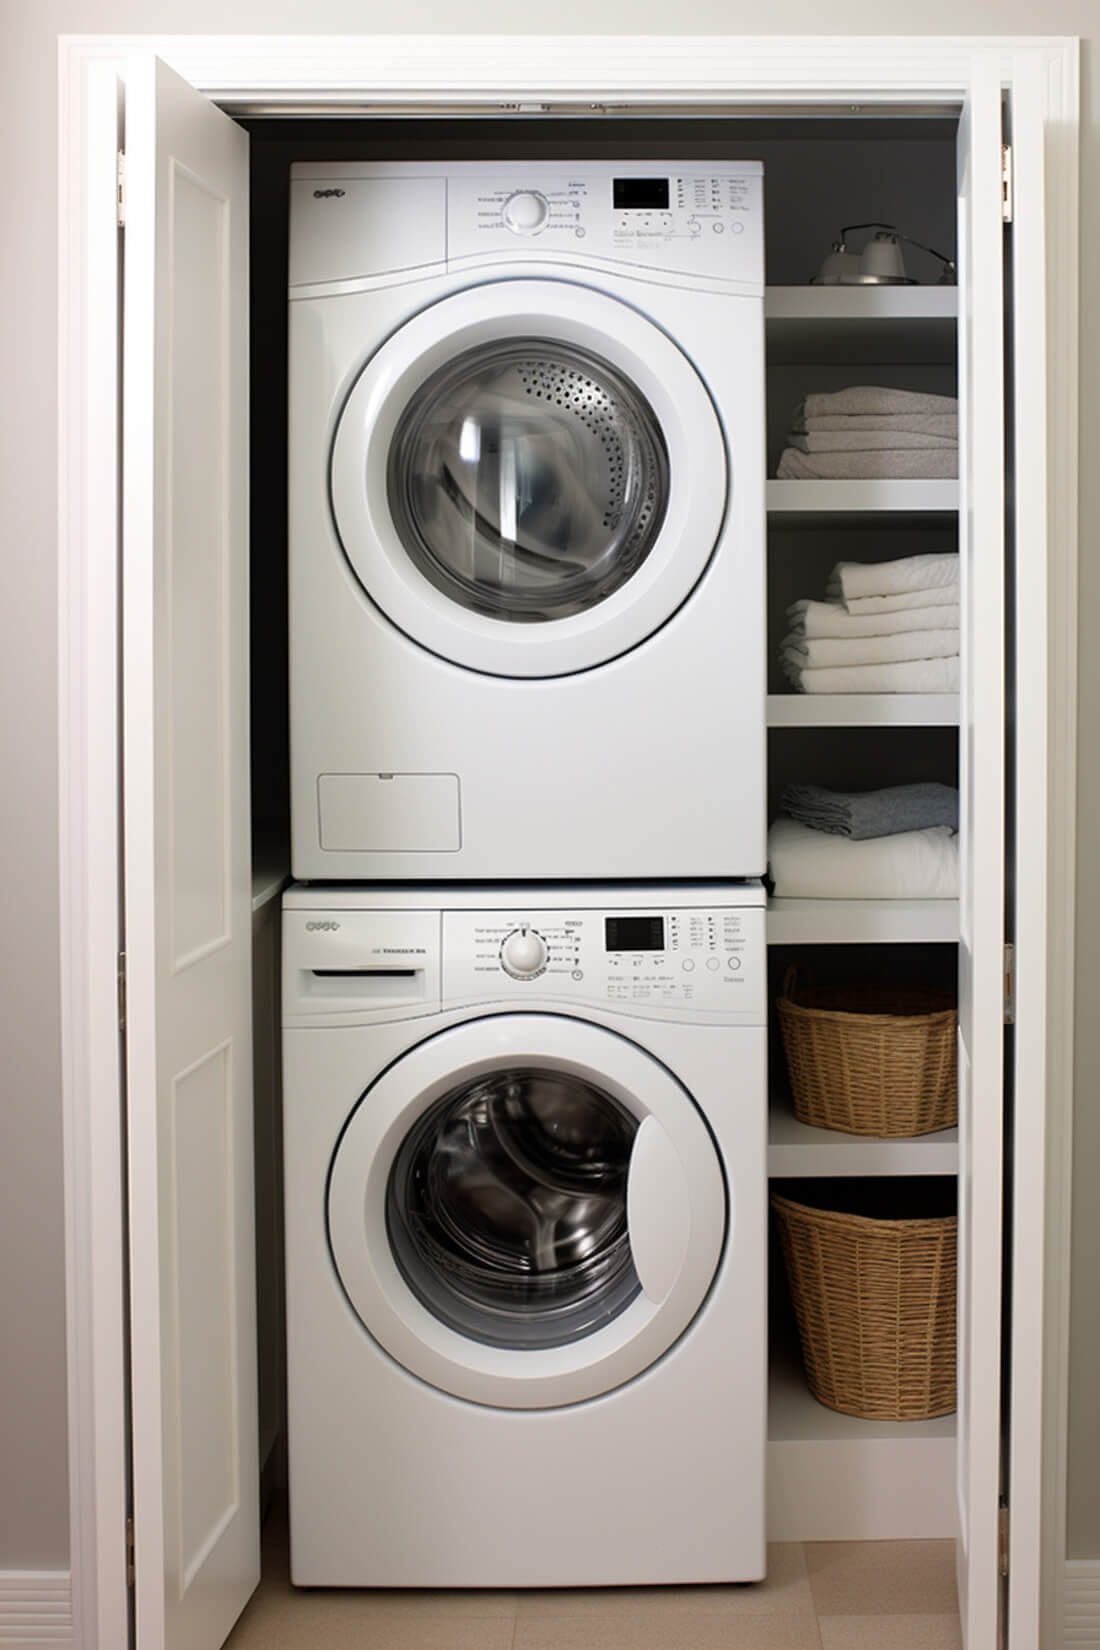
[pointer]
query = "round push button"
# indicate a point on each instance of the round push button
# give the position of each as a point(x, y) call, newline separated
point(713, 963)
point(687, 965)
point(735, 962)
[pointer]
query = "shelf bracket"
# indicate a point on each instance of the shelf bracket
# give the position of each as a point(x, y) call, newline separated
point(1010, 984)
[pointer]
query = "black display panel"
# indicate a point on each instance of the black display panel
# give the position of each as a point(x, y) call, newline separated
point(635, 933)
point(640, 194)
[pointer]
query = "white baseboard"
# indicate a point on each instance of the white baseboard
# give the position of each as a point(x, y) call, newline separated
point(1081, 1613)
point(36, 1610)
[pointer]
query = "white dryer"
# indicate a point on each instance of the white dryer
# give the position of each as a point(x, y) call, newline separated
point(525, 1235)
point(526, 521)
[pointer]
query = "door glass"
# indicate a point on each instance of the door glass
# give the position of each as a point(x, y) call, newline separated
point(506, 1208)
point(528, 480)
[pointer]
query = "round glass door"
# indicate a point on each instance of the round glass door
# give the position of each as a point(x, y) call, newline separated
point(526, 1210)
point(507, 1209)
point(528, 480)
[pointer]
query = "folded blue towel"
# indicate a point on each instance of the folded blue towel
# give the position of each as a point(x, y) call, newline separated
point(864, 814)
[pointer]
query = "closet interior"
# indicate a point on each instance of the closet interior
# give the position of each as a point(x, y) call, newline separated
point(831, 1475)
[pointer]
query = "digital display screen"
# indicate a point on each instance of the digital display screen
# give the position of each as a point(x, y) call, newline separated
point(635, 933)
point(640, 194)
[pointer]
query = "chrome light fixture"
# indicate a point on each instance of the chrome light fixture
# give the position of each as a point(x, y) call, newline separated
point(879, 263)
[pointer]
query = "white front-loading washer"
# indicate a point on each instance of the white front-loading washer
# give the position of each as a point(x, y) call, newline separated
point(525, 1235)
point(526, 452)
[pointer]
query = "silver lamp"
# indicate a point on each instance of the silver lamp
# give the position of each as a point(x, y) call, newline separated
point(879, 262)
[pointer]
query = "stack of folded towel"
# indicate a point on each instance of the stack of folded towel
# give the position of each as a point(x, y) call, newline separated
point(885, 627)
point(868, 432)
point(897, 843)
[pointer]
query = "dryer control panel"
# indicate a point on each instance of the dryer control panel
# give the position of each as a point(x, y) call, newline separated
point(702, 223)
point(674, 962)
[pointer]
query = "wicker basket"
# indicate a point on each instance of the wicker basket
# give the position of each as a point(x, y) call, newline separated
point(875, 1303)
point(874, 1060)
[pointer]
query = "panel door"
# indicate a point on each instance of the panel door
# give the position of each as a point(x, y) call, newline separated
point(186, 863)
point(982, 824)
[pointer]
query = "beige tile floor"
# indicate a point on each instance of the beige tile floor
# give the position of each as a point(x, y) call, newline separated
point(828, 1595)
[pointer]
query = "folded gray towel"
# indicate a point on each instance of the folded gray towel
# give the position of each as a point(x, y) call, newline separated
point(865, 814)
point(923, 464)
point(875, 398)
point(945, 424)
point(864, 441)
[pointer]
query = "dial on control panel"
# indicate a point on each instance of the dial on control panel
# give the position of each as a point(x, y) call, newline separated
point(524, 954)
point(526, 212)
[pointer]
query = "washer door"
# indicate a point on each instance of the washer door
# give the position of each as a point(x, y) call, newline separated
point(526, 1210)
point(529, 478)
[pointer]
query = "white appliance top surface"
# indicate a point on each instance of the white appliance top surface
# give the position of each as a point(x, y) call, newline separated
point(306, 896)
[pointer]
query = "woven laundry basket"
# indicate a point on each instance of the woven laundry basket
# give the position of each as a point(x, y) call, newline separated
point(870, 1059)
point(875, 1300)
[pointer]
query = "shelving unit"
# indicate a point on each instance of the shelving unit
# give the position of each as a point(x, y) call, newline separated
point(831, 1476)
point(862, 710)
point(797, 1151)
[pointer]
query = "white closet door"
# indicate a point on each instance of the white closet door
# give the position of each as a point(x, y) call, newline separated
point(186, 862)
point(981, 783)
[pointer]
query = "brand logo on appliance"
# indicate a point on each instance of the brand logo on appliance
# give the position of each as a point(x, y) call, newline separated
point(327, 194)
point(321, 927)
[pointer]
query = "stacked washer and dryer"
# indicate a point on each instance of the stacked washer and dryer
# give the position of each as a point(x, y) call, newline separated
point(524, 963)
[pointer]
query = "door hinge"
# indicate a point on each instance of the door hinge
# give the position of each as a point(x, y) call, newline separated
point(1006, 182)
point(1002, 1538)
point(122, 991)
point(1010, 984)
point(120, 188)
point(130, 1572)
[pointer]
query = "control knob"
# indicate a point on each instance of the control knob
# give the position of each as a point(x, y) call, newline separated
point(526, 212)
point(524, 954)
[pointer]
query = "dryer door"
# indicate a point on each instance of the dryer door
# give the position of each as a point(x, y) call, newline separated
point(529, 478)
point(526, 1210)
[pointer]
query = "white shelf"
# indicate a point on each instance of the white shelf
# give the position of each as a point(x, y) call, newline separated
point(270, 874)
point(836, 1478)
point(862, 710)
point(804, 501)
point(860, 921)
point(797, 1151)
point(812, 324)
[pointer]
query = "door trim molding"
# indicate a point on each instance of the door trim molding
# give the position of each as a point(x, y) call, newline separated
point(89, 408)
point(507, 74)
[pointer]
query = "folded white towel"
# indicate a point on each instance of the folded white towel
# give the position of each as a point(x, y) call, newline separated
point(905, 464)
point(824, 652)
point(811, 619)
point(942, 424)
point(850, 580)
point(905, 676)
point(876, 398)
point(808, 864)
point(867, 441)
point(908, 601)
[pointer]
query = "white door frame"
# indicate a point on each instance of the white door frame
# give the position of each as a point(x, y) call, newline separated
point(501, 74)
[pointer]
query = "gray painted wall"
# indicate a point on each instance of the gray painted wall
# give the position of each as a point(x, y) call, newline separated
point(33, 1491)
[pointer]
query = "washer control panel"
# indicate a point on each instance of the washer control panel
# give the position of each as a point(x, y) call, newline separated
point(702, 222)
point(691, 960)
